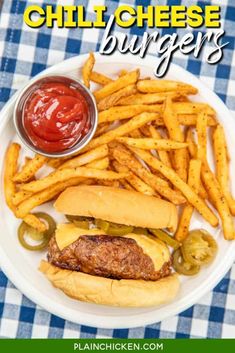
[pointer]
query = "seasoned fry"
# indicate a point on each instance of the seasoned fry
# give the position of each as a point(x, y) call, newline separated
point(192, 147)
point(126, 112)
point(193, 108)
point(10, 169)
point(101, 129)
point(157, 86)
point(125, 157)
point(20, 196)
point(219, 201)
point(194, 182)
point(122, 73)
point(44, 196)
point(56, 162)
point(92, 155)
point(122, 130)
point(99, 78)
point(101, 164)
point(201, 128)
point(186, 190)
point(30, 168)
point(111, 100)
point(186, 120)
point(134, 180)
point(135, 133)
point(126, 185)
point(113, 183)
point(175, 133)
point(149, 98)
point(151, 143)
point(27, 159)
point(144, 130)
point(34, 222)
point(65, 174)
point(186, 112)
point(112, 87)
point(163, 155)
point(222, 167)
point(87, 69)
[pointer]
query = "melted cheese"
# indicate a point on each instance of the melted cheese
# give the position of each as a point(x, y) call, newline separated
point(154, 248)
point(67, 233)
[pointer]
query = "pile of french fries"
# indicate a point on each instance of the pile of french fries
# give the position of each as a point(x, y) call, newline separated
point(150, 138)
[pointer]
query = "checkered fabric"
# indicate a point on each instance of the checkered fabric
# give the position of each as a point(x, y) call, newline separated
point(24, 52)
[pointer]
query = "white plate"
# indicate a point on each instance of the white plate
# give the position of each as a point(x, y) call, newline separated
point(21, 265)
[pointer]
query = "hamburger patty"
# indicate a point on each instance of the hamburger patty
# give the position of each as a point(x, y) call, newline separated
point(106, 256)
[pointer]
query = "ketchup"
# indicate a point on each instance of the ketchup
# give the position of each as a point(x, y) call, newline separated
point(56, 116)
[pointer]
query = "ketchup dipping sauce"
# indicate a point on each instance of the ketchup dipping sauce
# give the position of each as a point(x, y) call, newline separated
point(57, 114)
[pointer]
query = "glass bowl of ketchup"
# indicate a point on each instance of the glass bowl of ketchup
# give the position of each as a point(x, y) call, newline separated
point(55, 115)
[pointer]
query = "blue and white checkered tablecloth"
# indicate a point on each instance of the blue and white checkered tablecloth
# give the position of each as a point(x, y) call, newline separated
point(24, 52)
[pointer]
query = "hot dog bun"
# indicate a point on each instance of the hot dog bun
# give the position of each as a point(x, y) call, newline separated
point(106, 291)
point(117, 205)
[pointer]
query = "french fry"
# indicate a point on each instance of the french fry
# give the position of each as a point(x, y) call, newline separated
point(122, 130)
point(27, 159)
point(191, 120)
point(151, 143)
point(186, 112)
point(87, 69)
point(110, 100)
point(218, 199)
point(112, 87)
point(122, 73)
point(163, 155)
point(194, 179)
point(125, 157)
point(90, 156)
point(30, 168)
point(113, 183)
point(56, 162)
point(192, 147)
point(126, 185)
point(148, 98)
point(144, 130)
point(101, 129)
point(99, 78)
point(101, 164)
point(46, 195)
point(20, 196)
point(134, 180)
point(65, 174)
point(193, 108)
point(186, 190)
point(126, 112)
point(201, 148)
point(175, 133)
point(157, 86)
point(135, 133)
point(10, 169)
point(222, 167)
point(34, 222)
point(201, 128)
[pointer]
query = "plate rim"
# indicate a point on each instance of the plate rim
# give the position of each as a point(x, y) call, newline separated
point(105, 321)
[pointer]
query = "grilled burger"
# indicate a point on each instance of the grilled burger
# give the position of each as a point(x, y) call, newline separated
point(94, 266)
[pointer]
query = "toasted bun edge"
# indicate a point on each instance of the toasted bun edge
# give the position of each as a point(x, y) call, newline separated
point(105, 291)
